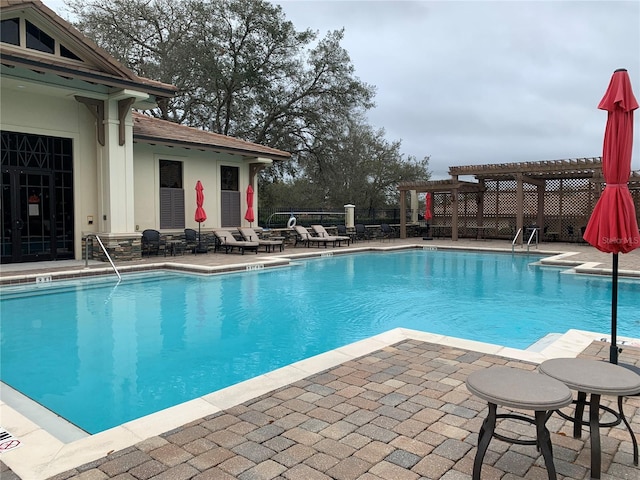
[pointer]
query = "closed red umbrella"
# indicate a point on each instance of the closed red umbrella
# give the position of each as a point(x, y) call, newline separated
point(427, 215)
point(613, 227)
point(427, 208)
point(201, 215)
point(249, 216)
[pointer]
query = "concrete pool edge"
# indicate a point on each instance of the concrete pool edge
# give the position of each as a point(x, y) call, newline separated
point(554, 258)
point(42, 455)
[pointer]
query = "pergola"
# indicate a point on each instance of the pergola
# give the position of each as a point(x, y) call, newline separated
point(504, 197)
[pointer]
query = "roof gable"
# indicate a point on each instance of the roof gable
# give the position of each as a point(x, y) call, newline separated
point(65, 50)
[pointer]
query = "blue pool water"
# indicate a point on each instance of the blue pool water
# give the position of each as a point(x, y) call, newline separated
point(100, 355)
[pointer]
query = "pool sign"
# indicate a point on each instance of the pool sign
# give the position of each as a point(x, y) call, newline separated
point(8, 441)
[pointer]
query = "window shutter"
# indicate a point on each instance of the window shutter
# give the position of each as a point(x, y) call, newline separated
point(230, 209)
point(172, 213)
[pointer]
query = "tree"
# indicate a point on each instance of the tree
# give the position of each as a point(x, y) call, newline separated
point(243, 70)
point(355, 165)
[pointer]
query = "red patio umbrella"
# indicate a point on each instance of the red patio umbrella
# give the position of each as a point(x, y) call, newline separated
point(249, 216)
point(427, 215)
point(427, 208)
point(201, 215)
point(613, 227)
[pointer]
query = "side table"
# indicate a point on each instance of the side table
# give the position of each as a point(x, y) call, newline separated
point(595, 378)
point(518, 389)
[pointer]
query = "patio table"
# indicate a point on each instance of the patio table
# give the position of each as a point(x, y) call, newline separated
point(522, 390)
point(596, 378)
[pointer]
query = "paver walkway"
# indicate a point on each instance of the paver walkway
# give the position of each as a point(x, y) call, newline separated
point(402, 412)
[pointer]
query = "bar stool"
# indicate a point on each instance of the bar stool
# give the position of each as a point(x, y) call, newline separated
point(519, 389)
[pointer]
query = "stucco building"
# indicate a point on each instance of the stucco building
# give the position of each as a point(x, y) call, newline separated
point(78, 159)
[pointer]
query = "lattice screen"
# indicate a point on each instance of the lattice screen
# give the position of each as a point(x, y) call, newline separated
point(568, 204)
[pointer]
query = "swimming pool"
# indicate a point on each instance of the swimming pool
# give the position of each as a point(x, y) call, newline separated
point(100, 355)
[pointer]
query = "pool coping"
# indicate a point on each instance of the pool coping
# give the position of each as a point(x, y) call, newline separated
point(552, 258)
point(42, 455)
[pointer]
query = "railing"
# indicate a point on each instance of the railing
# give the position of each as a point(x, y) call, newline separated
point(534, 233)
point(515, 239)
point(86, 254)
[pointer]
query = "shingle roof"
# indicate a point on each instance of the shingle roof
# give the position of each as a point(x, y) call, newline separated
point(152, 130)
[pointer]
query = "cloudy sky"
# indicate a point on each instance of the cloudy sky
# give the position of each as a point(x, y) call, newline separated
point(472, 82)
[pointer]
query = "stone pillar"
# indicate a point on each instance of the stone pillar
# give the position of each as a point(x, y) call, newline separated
point(414, 206)
point(349, 215)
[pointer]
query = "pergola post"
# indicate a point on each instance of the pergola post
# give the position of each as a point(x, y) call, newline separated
point(454, 210)
point(520, 206)
point(403, 216)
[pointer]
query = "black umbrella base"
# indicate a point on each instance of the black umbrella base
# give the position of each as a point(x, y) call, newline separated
point(427, 238)
point(200, 249)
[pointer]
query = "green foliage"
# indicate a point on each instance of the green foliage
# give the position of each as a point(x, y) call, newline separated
point(243, 70)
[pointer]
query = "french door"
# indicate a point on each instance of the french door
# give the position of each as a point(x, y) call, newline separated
point(36, 213)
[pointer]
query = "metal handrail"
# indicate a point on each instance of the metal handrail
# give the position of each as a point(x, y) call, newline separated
point(515, 239)
point(86, 254)
point(533, 234)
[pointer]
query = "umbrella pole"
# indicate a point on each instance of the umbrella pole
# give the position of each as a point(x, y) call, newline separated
point(199, 238)
point(613, 351)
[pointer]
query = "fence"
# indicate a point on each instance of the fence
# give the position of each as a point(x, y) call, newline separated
point(278, 217)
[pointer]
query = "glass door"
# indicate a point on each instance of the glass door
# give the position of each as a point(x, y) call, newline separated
point(28, 221)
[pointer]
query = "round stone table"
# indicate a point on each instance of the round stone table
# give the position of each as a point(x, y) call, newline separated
point(523, 390)
point(596, 378)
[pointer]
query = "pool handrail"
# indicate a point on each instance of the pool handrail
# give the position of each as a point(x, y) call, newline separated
point(515, 239)
point(86, 256)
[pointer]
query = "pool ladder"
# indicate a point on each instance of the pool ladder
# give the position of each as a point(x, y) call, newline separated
point(534, 234)
point(86, 254)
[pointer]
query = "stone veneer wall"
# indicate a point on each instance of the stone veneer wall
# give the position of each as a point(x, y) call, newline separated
point(121, 248)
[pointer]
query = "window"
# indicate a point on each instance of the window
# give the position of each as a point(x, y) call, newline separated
point(230, 198)
point(229, 178)
point(10, 31)
point(38, 40)
point(66, 53)
point(171, 195)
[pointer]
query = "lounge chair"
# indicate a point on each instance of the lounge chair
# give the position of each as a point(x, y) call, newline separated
point(250, 235)
point(322, 233)
point(303, 236)
point(228, 241)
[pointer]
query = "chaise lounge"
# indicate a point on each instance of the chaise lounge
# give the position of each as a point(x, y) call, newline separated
point(228, 241)
point(250, 235)
point(321, 232)
point(303, 236)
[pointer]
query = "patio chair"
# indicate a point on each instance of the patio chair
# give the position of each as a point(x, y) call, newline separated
point(250, 235)
point(387, 231)
point(190, 239)
point(321, 232)
point(303, 236)
point(361, 232)
point(343, 232)
point(152, 243)
point(229, 242)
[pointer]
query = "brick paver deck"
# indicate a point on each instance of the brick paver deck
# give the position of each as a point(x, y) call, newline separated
point(402, 412)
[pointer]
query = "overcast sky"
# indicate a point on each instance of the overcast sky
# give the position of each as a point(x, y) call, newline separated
point(473, 82)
